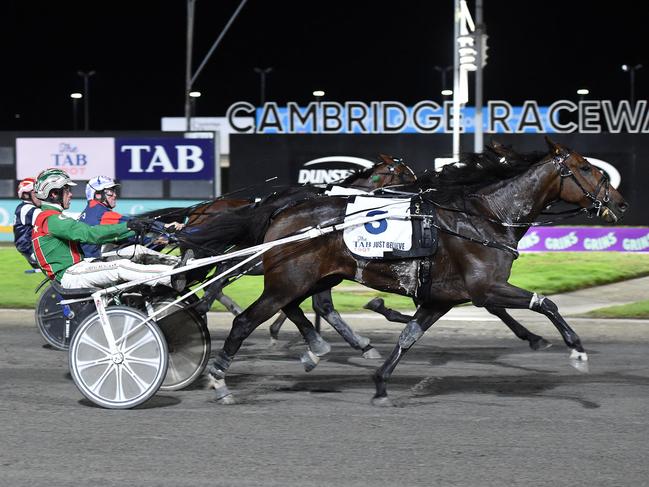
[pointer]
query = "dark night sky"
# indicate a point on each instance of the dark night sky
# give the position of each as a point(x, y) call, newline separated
point(354, 50)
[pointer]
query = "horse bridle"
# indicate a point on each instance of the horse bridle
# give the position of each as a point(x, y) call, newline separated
point(392, 168)
point(559, 162)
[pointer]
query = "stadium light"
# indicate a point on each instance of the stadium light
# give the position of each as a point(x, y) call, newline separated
point(447, 92)
point(75, 109)
point(631, 70)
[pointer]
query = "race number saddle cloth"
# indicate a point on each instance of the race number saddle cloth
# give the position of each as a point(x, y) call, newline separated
point(406, 232)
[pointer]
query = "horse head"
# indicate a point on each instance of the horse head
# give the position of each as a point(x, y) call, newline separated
point(391, 171)
point(586, 185)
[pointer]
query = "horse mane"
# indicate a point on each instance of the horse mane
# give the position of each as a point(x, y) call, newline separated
point(168, 215)
point(244, 226)
point(475, 171)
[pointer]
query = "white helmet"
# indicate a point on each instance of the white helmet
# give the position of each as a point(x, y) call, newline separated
point(97, 185)
point(50, 179)
point(25, 186)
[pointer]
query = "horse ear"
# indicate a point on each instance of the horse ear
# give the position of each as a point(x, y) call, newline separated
point(554, 148)
point(497, 145)
point(385, 158)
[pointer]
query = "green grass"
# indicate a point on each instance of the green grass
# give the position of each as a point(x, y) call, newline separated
point(547, 273)
point(555, 272)
point(639, 309)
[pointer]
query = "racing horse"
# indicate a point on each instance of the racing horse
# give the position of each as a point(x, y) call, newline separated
point(479, 226)
point(389, 172)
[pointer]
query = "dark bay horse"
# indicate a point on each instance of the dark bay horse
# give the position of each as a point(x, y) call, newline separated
point(479, 224)
point(389, 172)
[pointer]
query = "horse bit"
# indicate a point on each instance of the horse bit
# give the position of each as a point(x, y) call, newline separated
point(598, 205)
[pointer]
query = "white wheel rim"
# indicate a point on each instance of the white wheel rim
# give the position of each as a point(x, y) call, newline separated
point(185, 364)
point(126, 378)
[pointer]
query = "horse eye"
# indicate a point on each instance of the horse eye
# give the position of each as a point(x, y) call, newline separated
point(585, 168)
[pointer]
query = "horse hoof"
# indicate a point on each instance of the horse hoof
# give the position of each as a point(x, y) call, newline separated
point(319, 346)
point(374, 304)
point(272, 343)
point(309, 360)
point(382, 402)
point(226, 400)
point(579, 360)
point(540, 344)
point(372, 354)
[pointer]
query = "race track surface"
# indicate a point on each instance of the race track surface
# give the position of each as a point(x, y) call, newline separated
point(474, 407)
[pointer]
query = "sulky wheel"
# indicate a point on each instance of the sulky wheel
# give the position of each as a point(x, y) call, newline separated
point(58, 323)
point(188, 342)
point(131, 375)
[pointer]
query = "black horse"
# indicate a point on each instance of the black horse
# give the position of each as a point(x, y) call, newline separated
point(478, 235)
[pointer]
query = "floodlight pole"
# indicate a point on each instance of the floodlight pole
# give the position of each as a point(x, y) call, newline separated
point(86, 97)
point(189, 78)
point(188, 61)
point(456, 80)
point(477, 120)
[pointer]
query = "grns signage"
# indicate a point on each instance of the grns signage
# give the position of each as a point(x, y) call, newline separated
point(164, 158)
point(326, 170)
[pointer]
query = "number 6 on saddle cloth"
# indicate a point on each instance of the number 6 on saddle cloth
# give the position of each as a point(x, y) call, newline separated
point(407, 232)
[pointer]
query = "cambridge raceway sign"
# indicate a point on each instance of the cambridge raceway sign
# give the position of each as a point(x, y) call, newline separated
point(385, 117)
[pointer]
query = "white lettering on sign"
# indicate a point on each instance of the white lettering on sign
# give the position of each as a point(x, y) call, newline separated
point(600, 243)
point(188, 159)
point(561, 243)
point(319, 176)
point(529, 240)
point(641, 243)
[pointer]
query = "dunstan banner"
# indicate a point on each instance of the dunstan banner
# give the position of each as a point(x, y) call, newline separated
point(81, 157)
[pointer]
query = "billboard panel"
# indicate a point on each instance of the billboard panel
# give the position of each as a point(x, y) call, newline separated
point(168, 158)
point(81, 157)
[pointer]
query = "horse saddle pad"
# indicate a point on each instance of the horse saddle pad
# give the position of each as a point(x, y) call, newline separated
point(403, 233)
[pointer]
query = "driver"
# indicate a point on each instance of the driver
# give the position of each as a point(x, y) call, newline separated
point(26, 213)
point(55, 240)
point(101, 194)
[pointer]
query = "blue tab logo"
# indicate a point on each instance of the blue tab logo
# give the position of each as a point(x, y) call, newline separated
point(164, 158)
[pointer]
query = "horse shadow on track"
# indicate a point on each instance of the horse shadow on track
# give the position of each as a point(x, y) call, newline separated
point(529, 382)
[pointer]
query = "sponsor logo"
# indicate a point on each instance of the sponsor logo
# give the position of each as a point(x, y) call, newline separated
point(641, 243)
point(327, 170)
point(529, 240)
point(164, 158)
point(70, 158)
point(600, 243)
point(561, 243)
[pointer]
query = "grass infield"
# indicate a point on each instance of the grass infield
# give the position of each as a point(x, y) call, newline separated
point(546, 273)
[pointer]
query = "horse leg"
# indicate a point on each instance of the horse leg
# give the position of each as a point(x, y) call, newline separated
point(214, 292)
point(378, 306)
point(323, 305)
point(536, 342)
point(275, 327)
point(423, 319)
point(317, 346)
point(505, 295)
point(242, 326)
